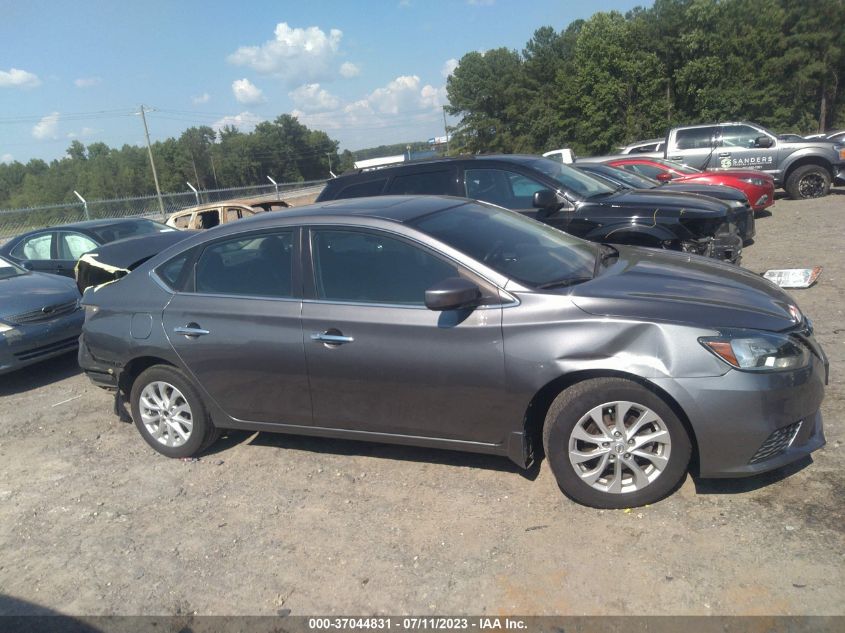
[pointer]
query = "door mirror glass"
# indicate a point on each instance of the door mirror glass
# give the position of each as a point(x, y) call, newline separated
point(452, 293)
point(545, 199)
point(763, 141)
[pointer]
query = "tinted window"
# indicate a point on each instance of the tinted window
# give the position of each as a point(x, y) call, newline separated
point(695, 138)
point(171, 272)
point(260, 265)
point(512, 244)
point(127, 228)
point(506, 188)
point(739, 135)
point(361, 189)
point(436, 183)
point(369, 267)
point(35, 247)
point(650, 171)
point(630, 179)
point(74, 245)
point(571, 179)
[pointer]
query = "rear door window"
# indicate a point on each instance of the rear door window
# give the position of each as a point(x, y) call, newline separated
point(37, 247)
point(362, 189)
point(260, 265)
point(695, 138)
point(437, 183)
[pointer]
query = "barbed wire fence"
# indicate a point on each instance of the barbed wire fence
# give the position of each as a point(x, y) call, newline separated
point(16, 221)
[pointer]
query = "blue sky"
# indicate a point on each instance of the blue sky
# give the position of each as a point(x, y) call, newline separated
point(366, 72)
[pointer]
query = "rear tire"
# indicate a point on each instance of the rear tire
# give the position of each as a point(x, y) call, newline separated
point(169, 413)
point(808, 181)
point(604, 463)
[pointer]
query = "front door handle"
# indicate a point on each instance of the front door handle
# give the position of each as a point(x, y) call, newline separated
point(677, 158)
point(192, 330)
point(330, 338)
point(724, 154)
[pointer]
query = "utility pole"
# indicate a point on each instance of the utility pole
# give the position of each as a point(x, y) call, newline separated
point(446, 130)
point(214, 171)
point(152, 163)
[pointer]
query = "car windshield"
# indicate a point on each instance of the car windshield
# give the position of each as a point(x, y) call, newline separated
point(128, 228)
point(629, 178)
point(518, 247)
point(8, 269)
point(583, 185)
point(679, 167)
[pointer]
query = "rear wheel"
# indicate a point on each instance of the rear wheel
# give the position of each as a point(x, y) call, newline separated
point(612, 443)
point(808, 181)
point(169, 413)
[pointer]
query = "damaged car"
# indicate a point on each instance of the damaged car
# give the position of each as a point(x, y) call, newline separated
point(447, 323)
point(562, 197)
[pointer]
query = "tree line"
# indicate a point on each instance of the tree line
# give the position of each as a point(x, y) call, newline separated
point(284, 149)
point(612, 79)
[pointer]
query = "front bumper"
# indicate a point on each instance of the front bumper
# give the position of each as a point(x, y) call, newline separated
point(34, 342)
point(762, 197)
point(727, 244)
point(742, 420)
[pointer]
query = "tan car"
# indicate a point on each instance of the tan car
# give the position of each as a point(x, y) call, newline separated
point(206, 216)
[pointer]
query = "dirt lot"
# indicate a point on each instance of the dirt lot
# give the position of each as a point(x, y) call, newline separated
point(92, 521)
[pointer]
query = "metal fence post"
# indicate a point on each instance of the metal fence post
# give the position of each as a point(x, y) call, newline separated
point(84, 204)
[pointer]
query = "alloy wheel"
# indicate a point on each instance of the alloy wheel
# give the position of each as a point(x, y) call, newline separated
point(619, 447)
point(811, 186)
point(166, 414)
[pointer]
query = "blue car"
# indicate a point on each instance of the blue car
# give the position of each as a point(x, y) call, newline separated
point(40, 316)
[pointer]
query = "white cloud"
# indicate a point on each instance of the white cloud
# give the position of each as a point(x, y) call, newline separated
point(296, 55)
point(17, 78)
point(313, 98)
point(47, 127)
point(348, 69)
point(244, 121)
point(85, 132)
point(247, 92)
point(6, 158)
point(449, 67)
point(200, 99)
point(87, 82)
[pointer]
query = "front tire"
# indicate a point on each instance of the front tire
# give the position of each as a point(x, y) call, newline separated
point(808, 181)
point(169, 413)
point(612, 443)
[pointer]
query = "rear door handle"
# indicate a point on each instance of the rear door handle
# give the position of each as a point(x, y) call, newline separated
point(331, 339)
point(191, 331)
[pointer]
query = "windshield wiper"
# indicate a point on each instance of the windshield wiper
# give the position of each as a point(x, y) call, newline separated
point(559, 283)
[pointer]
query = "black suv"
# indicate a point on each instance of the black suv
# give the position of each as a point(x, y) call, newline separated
point(563, 197)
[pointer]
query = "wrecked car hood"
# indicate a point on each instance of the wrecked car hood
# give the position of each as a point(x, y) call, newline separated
point(682, 288)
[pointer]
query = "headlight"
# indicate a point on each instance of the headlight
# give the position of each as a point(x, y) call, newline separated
point(758, 351)
point(758, 182)
point(840, 149)
point(5, 327)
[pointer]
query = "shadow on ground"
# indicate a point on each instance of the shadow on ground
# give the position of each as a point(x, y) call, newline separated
point(394, 452)
point(39, 375)
point(747, 484)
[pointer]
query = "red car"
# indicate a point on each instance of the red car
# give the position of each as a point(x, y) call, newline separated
point(757, 186)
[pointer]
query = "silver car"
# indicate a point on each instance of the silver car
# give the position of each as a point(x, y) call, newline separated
point(40, 316)
point(446, 323)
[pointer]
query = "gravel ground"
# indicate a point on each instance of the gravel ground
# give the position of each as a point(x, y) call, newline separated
point(92, 521)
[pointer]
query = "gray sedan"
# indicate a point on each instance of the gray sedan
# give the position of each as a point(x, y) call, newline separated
point(446, 323)
point(40, 316)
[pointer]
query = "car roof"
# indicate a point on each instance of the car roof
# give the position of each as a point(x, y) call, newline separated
point(82, 226)
point(523, 159)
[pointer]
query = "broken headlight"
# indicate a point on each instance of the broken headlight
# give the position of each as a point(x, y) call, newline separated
point(758, 351)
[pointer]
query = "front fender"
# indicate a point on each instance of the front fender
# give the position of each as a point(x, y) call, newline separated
point(633, 234)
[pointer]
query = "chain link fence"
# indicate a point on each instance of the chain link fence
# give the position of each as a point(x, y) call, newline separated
point(16, 221)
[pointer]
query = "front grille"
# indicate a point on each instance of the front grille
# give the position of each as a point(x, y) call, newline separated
point(66, 344)
point(776, 443)
point(43, 314)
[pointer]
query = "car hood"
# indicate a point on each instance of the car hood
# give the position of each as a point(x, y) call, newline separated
point(722, 192)
point(677, 287)
point(651, 200)
point(741, 173)
point(34, 291)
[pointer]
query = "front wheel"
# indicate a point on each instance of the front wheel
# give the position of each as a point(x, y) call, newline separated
point(808, 181)
point(612, 443)
point(169, 413)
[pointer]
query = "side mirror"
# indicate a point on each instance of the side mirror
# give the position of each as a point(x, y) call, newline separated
point(28, 265)
point(763, 141)
point(452, 294)
point(664, 176)
point(545, 199)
